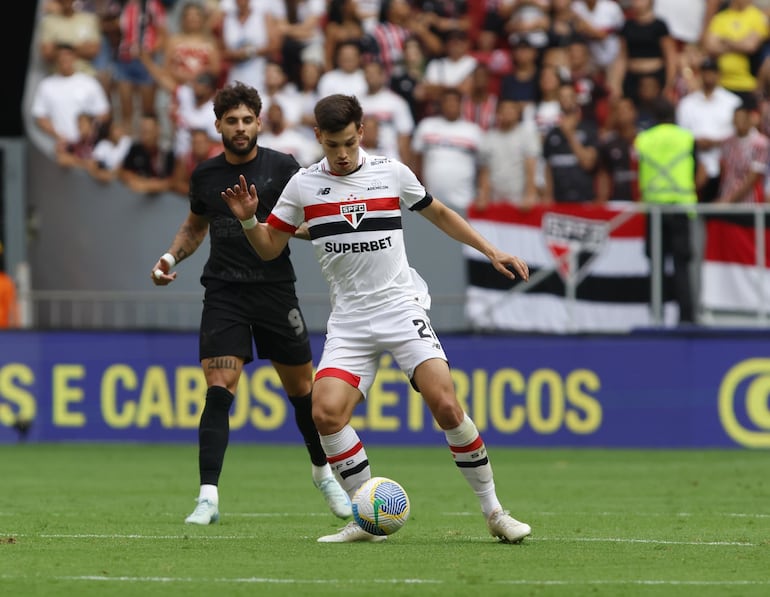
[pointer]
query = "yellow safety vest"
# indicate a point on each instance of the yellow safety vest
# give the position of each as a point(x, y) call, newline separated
point(666, 164)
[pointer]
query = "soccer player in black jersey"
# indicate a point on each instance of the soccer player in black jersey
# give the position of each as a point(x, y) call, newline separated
point(247, 300)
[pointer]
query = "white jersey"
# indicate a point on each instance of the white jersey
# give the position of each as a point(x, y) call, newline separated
point(355, 227)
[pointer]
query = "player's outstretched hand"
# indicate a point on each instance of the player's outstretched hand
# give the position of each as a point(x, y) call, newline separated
point(241, 199)
point(508, 264)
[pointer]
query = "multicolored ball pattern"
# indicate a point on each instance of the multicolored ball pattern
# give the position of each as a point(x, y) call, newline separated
point(381, 506)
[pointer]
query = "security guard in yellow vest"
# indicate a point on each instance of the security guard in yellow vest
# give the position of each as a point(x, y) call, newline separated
point(668, 171)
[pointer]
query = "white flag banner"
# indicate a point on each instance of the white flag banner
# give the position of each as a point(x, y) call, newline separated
point(596, 251)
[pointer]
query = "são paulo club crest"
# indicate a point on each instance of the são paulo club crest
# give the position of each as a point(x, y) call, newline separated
point(353, 213)
point(574, 243)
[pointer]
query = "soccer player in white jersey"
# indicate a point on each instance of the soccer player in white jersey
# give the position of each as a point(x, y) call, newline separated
point(351, 202)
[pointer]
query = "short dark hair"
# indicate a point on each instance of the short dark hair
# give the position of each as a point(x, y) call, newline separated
point(663, 110)
point(235, 94)
point(334, 112)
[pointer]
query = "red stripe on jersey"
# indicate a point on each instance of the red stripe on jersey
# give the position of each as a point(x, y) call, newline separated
point(330, 209)
point(474, 445)
point(280, 224)
point(353, 380)
point(345, 455)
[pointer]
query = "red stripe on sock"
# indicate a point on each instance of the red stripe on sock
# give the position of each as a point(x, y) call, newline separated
point(344, 455)
point(353, 380)
point(474, 445)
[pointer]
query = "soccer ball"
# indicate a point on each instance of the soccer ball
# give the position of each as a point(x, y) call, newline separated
point(380, 506)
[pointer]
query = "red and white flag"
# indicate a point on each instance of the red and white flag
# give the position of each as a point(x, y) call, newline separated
point(596, 250)
point(731, 279)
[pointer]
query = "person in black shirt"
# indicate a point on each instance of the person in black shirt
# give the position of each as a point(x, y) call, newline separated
point(246, 299)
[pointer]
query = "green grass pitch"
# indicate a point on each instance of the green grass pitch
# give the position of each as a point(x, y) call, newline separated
point(107, 520)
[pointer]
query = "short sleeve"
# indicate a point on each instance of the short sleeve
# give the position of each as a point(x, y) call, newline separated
point(411, 190)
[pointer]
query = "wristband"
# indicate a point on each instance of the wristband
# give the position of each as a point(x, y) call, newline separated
point(250, 223)
point(168, 258)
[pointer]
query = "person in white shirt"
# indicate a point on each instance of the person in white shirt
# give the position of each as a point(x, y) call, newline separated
point(455, 70)
point(63, 95)
point(393, 114)
point(249, 36)
point(276, 135)
point(350, 205)
point(708, 114)
point(348, 76)
point(508, 159)
point(445, 152)
point(600, 21)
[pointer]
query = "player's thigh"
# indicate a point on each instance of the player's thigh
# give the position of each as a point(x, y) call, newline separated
point(351, 353)
point(297, 380)
point(434, 381)
point(278, 326)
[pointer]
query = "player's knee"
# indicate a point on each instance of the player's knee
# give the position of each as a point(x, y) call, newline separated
point(447, 412)
point(327, 420)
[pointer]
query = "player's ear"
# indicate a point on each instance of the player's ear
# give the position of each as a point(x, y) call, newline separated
point(317, 132)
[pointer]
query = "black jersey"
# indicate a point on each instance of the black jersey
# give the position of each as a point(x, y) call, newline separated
point(232, 258)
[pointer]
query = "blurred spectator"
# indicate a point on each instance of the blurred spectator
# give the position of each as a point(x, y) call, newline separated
point(547, 112)
point(616, 175)
point(249, 37)
point(343, 23)
point(370, 139)
point(454, 70)
point(348, 75)
point(491, 53)
point(445, 149)
point(147, 167)
point(590, 82)
point(526, 18)
point(76, 154)
point(443, 17)
point(745, 157)
point(392, 113)
point(9, 304)
point(398, 23)
point(668, 175)
point(63, 95)
point(192, 49)
point(108, 13)
point(687, 20)
point(109, 152)
point(275, 134)
point(77, 28)
point(409, 83)
point(521, 84)
point(301, 29)
point(142, 30)
point(735, 37)
point(569, 150)
point(508, 156)
point(279, 89)
point(202, 147)
point(368, 12)
point(307, 96)
point(563, 24)
point(646, 48)
point(708, 113)
point(647, 95)
point(480, 104)
point(599, 21)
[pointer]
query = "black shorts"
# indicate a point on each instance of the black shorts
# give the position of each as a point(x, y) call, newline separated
point(234, 314)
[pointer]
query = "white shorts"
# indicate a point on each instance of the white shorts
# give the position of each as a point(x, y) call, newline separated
point(354, 344)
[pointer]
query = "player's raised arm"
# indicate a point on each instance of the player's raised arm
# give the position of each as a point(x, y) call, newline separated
point(267, 241)
point(456, 227)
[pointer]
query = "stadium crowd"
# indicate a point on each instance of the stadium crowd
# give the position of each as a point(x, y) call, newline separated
point(520, 101)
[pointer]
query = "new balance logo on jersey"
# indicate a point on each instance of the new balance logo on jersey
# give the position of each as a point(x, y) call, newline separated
point(353, 213)
point(323, 191)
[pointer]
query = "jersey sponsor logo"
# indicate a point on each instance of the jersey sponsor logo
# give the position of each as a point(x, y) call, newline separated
point(367, 246)
point(376, 186)
point(353, 213)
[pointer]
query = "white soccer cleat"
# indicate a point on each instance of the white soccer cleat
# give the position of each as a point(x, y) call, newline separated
point(336, 498)
point(506, 528)
point(351, 533)
point(206, 512)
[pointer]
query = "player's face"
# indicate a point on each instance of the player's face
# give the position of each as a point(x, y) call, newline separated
point(341, 148)
point(239, 128)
